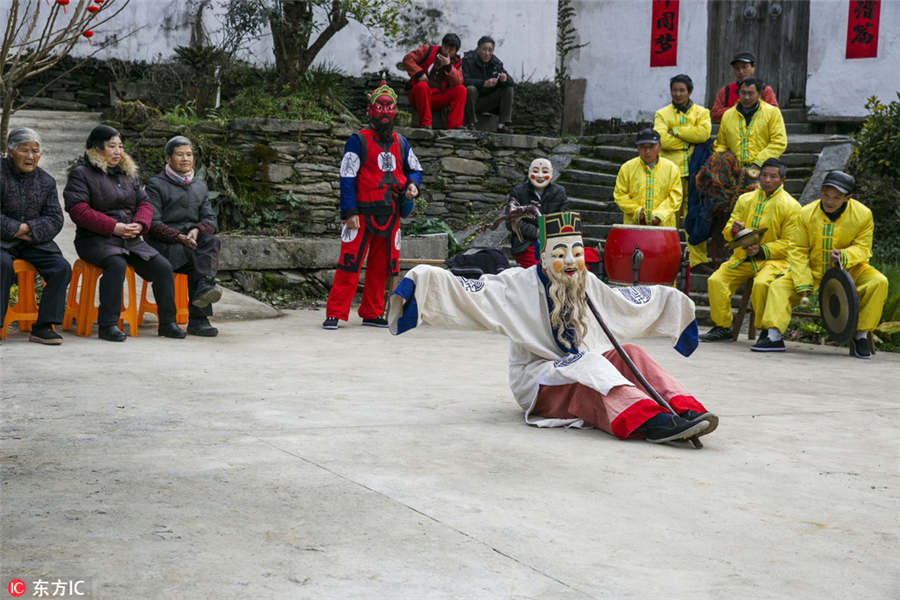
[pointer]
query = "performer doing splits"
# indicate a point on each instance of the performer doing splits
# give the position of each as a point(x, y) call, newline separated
point(562, 369)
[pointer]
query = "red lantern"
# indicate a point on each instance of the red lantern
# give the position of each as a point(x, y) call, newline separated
point(88, 34)
point(99, 1)
point(63, 4)
point(93, 9)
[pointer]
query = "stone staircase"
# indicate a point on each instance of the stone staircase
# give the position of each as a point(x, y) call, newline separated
point(590, 178)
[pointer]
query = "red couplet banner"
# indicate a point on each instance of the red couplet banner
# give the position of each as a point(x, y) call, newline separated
point(664, 34)
point(862, 28)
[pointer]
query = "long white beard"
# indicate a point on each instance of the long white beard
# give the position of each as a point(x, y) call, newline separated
point(569, 306)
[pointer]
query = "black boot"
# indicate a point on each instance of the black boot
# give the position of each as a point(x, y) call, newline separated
point(668, 428)
point(207, 293)
point(170, 330)
point(201, 327)
point(44, 334)
point(111, 333)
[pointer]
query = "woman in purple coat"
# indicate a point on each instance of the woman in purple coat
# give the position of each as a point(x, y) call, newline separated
point(106, 202)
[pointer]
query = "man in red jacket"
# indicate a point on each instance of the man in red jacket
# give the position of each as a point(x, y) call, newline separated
point(744, 65)
point(437, 81)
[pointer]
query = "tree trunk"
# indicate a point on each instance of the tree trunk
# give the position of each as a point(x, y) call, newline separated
point(290, 36)
point(7, 114)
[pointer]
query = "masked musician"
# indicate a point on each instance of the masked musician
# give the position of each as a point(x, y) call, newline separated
point(648, 187)
point(380, 178)
point(562, 370)
point(771, 207)
point(834, 229)
point(550, 196)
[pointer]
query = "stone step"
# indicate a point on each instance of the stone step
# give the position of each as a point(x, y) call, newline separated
point(589, 177)
point(579, 204)
point(595, 164)
point(585, 190)
point(617, 154)
point(793, 115)
point(799, 159)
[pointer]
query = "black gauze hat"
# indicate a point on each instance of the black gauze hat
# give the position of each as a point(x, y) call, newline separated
point(100, 135)
point(842, 182)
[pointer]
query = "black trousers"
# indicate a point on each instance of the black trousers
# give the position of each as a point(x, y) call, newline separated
point(156, 270)
point(490, 100)
point(202, 264)
point(54, 270)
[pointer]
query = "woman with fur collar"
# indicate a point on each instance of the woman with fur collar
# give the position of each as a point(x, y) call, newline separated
point(105, 200)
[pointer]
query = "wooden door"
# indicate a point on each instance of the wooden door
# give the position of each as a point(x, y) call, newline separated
point(776, 31)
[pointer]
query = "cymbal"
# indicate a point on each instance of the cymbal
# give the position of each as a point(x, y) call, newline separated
point(747, 237)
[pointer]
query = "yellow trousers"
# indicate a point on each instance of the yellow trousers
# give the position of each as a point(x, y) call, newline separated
point(723, 284)
point(698, 253)
point(871, 286)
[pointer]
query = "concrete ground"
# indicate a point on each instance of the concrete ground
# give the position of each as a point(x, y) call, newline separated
point(283, 461)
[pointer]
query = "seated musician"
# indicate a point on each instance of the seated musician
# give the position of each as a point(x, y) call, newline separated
point(834, 229)
point(550, 196)
point(753, 130)
point(771, 207)
point(648, 187)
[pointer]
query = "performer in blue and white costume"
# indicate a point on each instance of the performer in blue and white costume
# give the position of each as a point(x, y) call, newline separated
point(562, 368)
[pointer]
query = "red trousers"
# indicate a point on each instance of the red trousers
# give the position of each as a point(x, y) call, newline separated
point(526, 259)
point(382, 258)
point(424, 98)
point(626, 407)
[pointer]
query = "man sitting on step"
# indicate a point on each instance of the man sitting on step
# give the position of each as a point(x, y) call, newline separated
point(648, 187)
point(834, 229)
point(744, 65)
point(769, 207)
point(550, 196)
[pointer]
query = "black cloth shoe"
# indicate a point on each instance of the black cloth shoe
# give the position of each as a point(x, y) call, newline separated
point(860, 348)
point(111, 333)
point(675, 428)
point(44, 334)
point(716, 334)
point(379, 322)
point(170, 330)
point(694, 417)
point(330, 323)
point(201, 327)
point(207, 293)
point(764, 344)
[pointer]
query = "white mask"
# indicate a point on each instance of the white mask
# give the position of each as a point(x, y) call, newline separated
point(540, 173)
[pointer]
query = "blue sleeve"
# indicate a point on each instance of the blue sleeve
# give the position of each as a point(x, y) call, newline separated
point(412, 168)
point(350, 165)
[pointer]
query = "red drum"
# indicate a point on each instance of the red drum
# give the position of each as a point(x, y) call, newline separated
point(661, 251)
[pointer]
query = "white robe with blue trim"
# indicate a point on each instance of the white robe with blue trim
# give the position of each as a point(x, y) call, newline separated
point(514, 303)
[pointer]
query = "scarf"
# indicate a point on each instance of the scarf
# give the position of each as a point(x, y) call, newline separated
point(683, 108)
point(834, 216)
point(748, 112)
point(182, 179)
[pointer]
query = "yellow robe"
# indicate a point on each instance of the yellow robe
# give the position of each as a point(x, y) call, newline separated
point(810, 256)
point(656, 192)
point(778, 213)
point(690, 128)
point(765, 138)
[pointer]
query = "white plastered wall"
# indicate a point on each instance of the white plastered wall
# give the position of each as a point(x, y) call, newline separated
point(838, 87)
point(620, 82)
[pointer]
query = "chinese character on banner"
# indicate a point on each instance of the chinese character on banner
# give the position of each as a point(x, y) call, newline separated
point(664, 34)
point(862, 29)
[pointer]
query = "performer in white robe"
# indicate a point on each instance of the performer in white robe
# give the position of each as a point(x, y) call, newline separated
point(563, 371)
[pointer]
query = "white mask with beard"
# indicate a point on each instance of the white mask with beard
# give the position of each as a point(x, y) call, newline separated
point(562, 260)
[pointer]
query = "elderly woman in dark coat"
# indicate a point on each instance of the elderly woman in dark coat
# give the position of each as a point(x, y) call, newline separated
point(183, 230)
point(106, 202)
point(30, 217)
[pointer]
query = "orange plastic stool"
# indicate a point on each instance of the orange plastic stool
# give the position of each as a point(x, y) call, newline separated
point(25, 309)
point(87, 312)
point(181, 301)
point(73, 306)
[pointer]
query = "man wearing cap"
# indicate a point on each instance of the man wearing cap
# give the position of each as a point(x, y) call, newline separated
point(648, 187)
point(744, 65)
point(183, 230)
point(834, 229)
point(682, 125)
point(769, 207)
point(380, 178)
point(563, 370)
point(753, 130)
